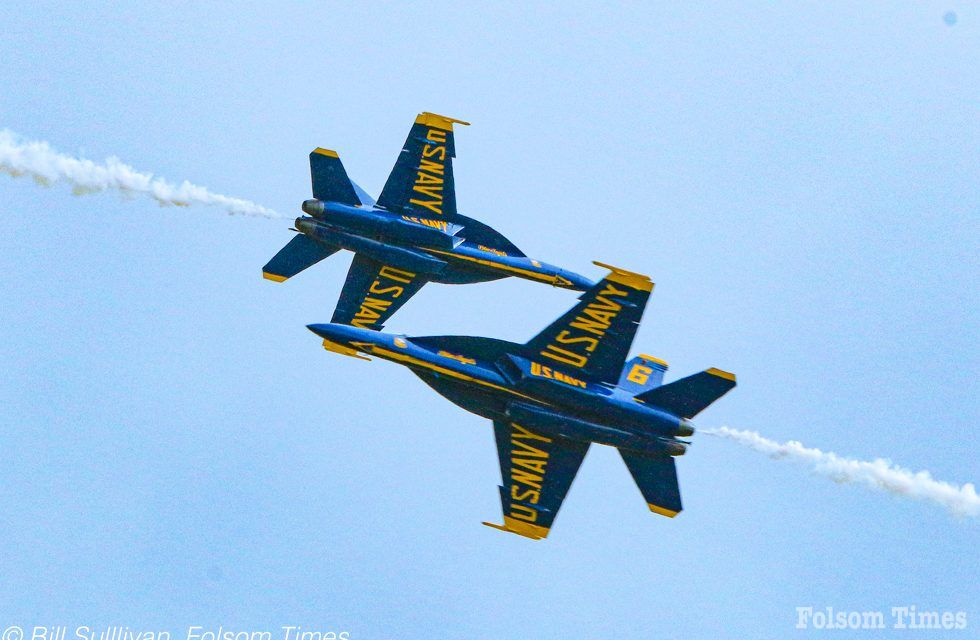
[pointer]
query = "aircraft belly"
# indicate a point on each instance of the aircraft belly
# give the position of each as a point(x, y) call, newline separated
point(482, 403)
point(454, 273)
point(400, 257)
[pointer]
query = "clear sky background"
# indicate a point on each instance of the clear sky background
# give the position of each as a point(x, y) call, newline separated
point(801, 180)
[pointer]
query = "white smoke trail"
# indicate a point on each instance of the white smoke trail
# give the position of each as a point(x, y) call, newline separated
point(46, 166)
point(877, 474)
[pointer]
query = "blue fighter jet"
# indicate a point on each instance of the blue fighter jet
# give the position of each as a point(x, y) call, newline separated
point(551, 398)
point(411, 235)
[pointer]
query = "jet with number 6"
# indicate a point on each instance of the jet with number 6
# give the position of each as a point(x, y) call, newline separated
point(411, 235)
point(551, 398)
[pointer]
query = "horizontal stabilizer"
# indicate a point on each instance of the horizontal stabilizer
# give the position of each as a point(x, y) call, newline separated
point(330, 181)
point(656, 477)
point(300, 253)
point(690, 396)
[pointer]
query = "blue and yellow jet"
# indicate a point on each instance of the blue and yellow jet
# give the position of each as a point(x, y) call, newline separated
point(411, 235)
point(551, 398)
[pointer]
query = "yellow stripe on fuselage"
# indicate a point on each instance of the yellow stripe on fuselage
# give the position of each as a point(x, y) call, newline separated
point(402, 357)
point(543, 277)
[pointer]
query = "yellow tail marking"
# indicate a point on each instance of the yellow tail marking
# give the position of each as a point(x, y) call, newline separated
point(274, 277)
point(326, 152)
point(662, 511)
point(657, 360)
point(639, 374)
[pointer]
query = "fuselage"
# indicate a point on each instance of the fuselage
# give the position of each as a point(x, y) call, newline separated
point(441, 250)
point(498, 384)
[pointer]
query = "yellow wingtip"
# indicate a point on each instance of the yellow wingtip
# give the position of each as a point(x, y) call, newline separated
point(330, 153)
point(628, 278)
point(721, 374)
point(662, 511)
point(521, 528)
point(439, 122)
point(274, 277)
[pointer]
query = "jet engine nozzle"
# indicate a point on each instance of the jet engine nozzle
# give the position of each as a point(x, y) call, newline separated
point(313, 207)
point(676, 448)
point(305, 225)
point(685, 428)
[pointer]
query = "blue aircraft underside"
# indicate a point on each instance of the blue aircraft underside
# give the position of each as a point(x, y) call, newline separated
point(414, 228)
point(550, 398)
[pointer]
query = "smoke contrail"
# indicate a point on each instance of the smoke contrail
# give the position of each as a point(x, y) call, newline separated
point(878, 474)
point(39, 161)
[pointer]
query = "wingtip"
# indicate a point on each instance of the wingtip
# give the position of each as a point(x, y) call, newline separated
point(518, 527)
point(628, 278)
point(274, 277)
point(440, 122)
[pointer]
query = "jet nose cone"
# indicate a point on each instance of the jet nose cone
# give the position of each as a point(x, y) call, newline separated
point(327, 331)
point(341, 333)
point(574, 281)
point(313, 208)
point(343, 339)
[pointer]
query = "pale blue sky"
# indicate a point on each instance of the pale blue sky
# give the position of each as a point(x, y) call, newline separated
point(801, 181)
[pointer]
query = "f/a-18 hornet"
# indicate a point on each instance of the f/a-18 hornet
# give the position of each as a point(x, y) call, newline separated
point(551, 398)
point(411, 235)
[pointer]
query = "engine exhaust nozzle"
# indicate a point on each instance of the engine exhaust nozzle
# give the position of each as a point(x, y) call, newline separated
point(685, 428)
point(313, 208)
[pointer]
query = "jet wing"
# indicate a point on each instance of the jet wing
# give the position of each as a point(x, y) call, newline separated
point(537, 471)
point(373, 292)
point(421, 183)
point(592, 340)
